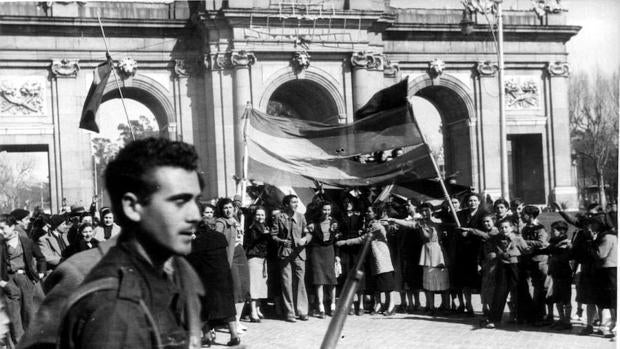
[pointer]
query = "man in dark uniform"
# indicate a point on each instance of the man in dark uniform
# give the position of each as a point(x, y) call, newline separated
point(142, 294)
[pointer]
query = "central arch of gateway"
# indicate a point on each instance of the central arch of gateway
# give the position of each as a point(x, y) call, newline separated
point(201, 63)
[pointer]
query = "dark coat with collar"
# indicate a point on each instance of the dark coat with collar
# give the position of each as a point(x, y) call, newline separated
point(31, 253)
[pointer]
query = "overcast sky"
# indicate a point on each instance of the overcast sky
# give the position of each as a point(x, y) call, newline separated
point(598, 42)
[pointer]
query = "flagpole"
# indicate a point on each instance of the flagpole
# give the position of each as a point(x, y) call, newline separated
point(244, 177)
point(441, 182)
point(118, 86)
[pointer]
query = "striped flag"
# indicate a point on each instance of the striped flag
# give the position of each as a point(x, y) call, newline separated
point(101, 74)
point(292, 152)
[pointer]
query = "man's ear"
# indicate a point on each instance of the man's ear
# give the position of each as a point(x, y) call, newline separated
point(131, 207)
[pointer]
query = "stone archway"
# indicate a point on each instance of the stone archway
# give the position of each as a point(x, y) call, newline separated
point(315, 96)
point(150, 93)
point(453, 101)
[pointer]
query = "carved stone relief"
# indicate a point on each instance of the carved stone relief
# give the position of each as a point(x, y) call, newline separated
point(65, 68)
point(22, 96)
point(368, 60)
point(558, 69)
point(522, 92)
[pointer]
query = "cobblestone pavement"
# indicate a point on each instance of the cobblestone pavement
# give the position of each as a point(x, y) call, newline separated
point(411, 331)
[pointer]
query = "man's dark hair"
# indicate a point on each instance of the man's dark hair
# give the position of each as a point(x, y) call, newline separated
point(506, 220)
point(8, 219)
point(531, 210)
point(560, 225)
point(501, 201)
point(516, 202)
point(287, 200)
point(130, 171)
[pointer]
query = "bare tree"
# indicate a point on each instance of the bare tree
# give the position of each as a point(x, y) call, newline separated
point(593, 111)
point(15, 178)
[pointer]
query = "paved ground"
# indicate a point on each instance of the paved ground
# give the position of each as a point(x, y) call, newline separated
point(411, 331)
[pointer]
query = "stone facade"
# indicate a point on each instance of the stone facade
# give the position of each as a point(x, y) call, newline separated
point(201, 64)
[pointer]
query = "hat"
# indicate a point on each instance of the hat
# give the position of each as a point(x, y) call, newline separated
point(20, 214)
point(104, 211)
point(77, 210)
point(56, 220)
point(237, 197)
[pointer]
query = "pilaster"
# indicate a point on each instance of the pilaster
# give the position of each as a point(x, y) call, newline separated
point(367, 76)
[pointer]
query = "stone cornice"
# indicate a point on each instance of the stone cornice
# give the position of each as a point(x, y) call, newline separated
point(448, 32)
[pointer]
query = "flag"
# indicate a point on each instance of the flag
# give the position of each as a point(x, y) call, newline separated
point(294, 152)
point(389, 98)
point(101, 74)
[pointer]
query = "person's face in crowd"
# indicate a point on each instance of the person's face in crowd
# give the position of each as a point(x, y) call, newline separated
point(501, 210)
point(87, 233)
point(108, 219)
point(208, 213)
point(7, 231)
point(518, 209)
point(326, 211)
point(426, 213)
point(228, 210)
point(170, 216)
point(275, 214)
point(259, 216)
point(473, 202)
point(23, 223)
point(593, 228)
point(370, 214)
point(292, 205)
point(487, 223)
point(526, 217)
point(506, 228)
point(64, 227)
point(556, 233)
point(87, 220)
point(349, 206)
point(456, 204)
point(411, 208)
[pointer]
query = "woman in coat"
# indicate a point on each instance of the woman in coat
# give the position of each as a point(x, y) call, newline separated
point(256, 244)
point(228, 225)
point(323, 258)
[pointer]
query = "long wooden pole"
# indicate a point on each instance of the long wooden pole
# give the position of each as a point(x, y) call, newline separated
point(118, 86)
point(430, 154)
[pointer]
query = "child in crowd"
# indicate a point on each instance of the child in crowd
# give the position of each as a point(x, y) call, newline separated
point(507, 246)
point(488, 260)
point(560, 272)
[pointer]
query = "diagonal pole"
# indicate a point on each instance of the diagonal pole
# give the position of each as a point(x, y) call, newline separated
point(430, 154)
point(118, 86)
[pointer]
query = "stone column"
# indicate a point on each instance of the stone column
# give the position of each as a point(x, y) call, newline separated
point(564, 190)
point(73, 143)
point(367, 76)
point(489, 123)
point(241, 62)
point(183, 127)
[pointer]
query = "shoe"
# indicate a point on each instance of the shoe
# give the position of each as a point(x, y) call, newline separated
point(359, 312)
point(351, 311)
point(260, 314)
point(320, 316)
point(290, 319)
point(254, 319)
point(234, 341)
point(303, 317)
point(607, 333)
point(588, 330)
point(490, 325)
point(389, 312)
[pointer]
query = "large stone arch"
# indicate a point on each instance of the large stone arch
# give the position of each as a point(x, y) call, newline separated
point(312, 74)
point(454, 101)
point(152, 94)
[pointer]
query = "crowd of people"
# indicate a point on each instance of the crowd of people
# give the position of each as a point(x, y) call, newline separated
point(275, 261)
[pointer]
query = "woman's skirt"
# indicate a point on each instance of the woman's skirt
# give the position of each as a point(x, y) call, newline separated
point(322, 261)
point(435, 279)
point(606, 287)
point(384, 282)
point(240, 275)
point(258, 277)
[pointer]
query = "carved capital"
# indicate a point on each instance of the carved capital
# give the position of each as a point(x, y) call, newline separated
point(558, 69)
point(391, 70)
point(65, 68)
point(300, 61)
point(367, 60)
point(487, 68)
point(436, 67)
point(242, 58)
point(182, 68)
point(217, 61)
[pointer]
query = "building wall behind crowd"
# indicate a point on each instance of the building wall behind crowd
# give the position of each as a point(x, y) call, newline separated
point(200, 63)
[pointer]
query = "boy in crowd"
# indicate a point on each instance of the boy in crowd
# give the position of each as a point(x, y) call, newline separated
point(561, 273)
